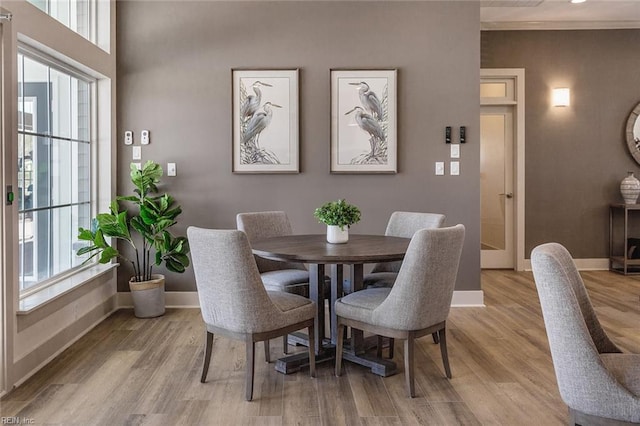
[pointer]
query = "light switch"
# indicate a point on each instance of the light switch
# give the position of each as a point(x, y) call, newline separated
point(454, 168)
point(439, 168)
point(138, 165)
point(144, 137)
point(128, 137)
point(171, 169)
point(455, 150)
point(137, 153)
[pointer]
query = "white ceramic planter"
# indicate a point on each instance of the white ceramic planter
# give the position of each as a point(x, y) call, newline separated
point(335, 235)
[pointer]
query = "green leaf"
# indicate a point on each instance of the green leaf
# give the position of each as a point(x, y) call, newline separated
point(99, 240)
point(85, 250)
point(108, 254)
point(85, 235)
point(148, 216)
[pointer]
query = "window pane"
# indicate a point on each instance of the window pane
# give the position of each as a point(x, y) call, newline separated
point(60, 104)
point(81, 179)
point(26, 250)
point(80, 117)
point(61, 172)
point(35, 95)
point(74, 14)
point(41, 172)
point(81, 216)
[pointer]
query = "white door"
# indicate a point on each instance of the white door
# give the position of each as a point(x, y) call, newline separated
point(497, 186)
point(502, 168)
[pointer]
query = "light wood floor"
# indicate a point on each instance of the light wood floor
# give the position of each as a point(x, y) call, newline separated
point(130, 371)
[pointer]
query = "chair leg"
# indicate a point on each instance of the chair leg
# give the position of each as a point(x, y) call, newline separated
point(443, 351)
point(339, 345)
point(436, 340)
point(392, 343)
point(379, 348)
point(267, 351)
point(285, 344)
point(312, 350)
point(408, 365)
point(248, 385)
point(207, 356)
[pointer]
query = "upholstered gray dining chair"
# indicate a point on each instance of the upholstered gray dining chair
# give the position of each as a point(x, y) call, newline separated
point(401, 224)
point(419, 302)
point(281, 276)
point(234, 302)
point(277, 276)
point(599, 383)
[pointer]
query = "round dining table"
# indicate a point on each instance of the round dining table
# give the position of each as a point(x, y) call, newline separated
point(317, 253)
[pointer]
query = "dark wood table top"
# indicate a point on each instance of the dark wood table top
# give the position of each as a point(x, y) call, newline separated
point(314, 248)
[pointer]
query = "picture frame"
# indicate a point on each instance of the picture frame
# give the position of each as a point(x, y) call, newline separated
point(266, 133)
point(363, 121)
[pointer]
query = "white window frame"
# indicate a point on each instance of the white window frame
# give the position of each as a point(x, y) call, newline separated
point(60, 66)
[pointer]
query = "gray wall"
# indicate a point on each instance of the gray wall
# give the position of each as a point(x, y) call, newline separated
point(174, 75)
point(575, 156)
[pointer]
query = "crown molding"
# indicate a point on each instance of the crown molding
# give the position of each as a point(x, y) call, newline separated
point(558, 25)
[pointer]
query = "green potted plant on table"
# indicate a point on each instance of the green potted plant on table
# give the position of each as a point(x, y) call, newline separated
point(151, 219)
point(338, 216)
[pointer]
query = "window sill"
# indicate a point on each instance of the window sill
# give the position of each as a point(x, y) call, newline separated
point(66, 285)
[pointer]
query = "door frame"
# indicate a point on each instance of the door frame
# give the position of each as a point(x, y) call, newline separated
point(7, 124)
point(517, 76)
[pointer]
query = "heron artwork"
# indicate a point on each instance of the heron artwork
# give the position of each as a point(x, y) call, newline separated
point(251, 103)
point(377, 139)
point(251, 151)
point(369, 100)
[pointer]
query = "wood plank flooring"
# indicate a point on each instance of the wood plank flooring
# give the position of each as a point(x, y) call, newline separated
point(130, 371)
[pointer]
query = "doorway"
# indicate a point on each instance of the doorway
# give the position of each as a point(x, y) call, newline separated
point(502, 168)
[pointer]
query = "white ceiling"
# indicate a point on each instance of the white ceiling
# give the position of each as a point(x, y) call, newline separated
point(559, 14)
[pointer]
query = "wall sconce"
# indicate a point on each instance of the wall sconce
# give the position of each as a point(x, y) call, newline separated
point(561, 97)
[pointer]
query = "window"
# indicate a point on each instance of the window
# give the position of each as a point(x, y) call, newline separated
point(75, 14)
point(54, 167)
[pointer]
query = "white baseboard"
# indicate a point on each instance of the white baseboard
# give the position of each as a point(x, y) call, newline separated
point(467, 299)
point(189, 299)
point(582, 264)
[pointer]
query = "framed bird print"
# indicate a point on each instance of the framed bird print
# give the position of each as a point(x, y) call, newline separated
point(265, 121)
point(363, 121)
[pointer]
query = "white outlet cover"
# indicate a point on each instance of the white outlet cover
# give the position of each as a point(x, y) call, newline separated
point(439, 168)
point(138, 165)
point(137, 153)
point(455, 150)
point(171, 169)
point(144, 137)
point(128, 137)
point(455, 168)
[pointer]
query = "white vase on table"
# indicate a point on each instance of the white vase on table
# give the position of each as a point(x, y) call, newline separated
point(335, 235)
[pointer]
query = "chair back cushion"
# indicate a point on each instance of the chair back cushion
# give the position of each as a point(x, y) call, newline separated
point(421, 296)
point(405, 224)
point(230, 290)
point(261, 225)
point(584, 382)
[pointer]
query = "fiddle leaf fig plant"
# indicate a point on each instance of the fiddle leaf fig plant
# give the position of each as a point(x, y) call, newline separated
point(151, 219)
point(338, 213)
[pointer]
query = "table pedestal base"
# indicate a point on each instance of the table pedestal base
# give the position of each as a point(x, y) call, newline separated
point(378, 366)
point(293, 363)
